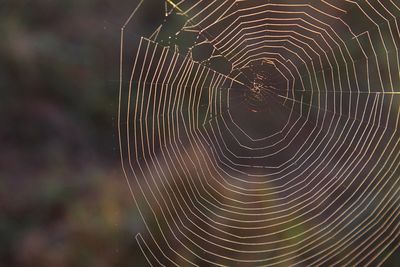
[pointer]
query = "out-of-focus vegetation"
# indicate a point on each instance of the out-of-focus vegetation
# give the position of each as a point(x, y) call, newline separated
point(63, 199)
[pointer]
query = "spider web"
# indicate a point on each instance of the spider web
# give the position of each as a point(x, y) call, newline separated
point(264, 133)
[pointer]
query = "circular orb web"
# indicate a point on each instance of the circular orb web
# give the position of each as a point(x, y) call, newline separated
point(264, 133)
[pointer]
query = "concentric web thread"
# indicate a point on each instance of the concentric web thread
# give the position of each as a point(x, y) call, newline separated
point(264, 133)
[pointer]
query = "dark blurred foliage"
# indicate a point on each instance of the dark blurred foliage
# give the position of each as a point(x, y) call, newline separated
point(63, 199)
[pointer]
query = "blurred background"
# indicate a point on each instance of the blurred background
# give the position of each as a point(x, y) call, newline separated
point(63, 198)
